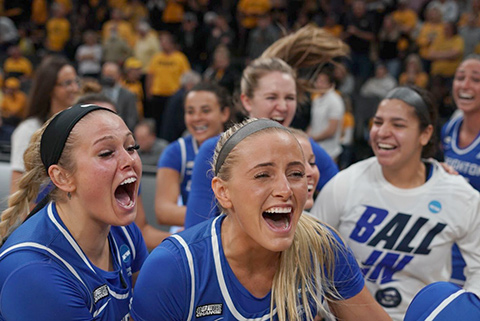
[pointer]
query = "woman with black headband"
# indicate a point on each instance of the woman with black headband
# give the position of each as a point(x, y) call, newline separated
point(262, 259)
point(401, 212)
point(77, 257)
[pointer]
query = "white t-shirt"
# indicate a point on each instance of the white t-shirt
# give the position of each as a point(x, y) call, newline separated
point(20, 140)
point(329, 106)
point(402, 238)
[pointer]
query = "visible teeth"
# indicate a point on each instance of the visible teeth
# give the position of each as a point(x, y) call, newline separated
point(204, 127)
point(128, 181)
point(279, 210)
point(465, 96)
point(287, 224)
point(279, 119)
point(310, 187)
point(386, 146)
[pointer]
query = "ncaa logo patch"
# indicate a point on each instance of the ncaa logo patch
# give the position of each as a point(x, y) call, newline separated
point(388, 297)
point(435, 207)
point(125, 254)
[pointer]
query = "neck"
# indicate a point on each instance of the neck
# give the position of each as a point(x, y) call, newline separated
point(410, 176)
point(471, 123)
point(91, 236)
point(242, 252)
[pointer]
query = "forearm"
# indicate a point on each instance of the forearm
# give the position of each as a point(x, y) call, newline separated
point(169, 213)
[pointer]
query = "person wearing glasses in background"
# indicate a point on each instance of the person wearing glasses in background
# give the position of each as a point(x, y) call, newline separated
point(55, 87)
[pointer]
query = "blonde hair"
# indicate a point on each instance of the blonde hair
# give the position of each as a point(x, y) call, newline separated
point(35, 176)
point(306, 268)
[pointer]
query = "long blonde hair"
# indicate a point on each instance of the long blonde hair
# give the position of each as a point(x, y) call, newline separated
point(305, 272)
point(34, 177)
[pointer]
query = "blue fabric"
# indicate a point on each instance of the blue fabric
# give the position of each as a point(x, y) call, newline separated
point(172, 158)
point(467, 162)
point(466, 306)
point(201, 203)
point(36, 284)
point(164, 294)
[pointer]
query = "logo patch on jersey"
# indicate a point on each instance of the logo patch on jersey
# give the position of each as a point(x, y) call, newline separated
point(125, 253)
point(388, 297)
point(435, 207)
point(100, 293)
point(209, 309)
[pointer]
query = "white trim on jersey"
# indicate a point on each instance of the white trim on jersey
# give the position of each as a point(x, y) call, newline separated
point(444, 304)
point(183, 153)
point(68, 237)
point(52, 252)
point(458, 150)
point(74, 244)
point(130, 242)
point(221, 280)
point(192, 274)
point(101, 309)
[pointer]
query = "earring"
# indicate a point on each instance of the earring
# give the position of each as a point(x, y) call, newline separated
point(69, 195)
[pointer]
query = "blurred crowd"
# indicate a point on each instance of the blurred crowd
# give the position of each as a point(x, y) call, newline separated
point(145, 54)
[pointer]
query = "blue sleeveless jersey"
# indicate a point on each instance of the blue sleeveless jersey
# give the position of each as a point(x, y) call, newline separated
point(188, 277)
point(44, 274)
point(465, 160)
point(443, 301)
point(467, 163)
point(180, 156)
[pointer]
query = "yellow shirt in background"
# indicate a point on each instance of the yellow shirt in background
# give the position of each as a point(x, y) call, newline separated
point(58, 33)
point(447, 67)
point(166, 71)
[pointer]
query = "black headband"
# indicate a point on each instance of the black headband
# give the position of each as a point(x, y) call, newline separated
point(241, 134)
point(56, 134)
point(412, 98)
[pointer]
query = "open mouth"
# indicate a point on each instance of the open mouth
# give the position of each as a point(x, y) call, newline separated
point(383, 146)
point(278, 218)
point(125, 193)
point(278, 119)
point(310, 187)
point(465, 96)
point(200, 129)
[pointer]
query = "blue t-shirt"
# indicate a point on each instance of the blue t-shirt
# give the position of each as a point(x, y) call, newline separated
point(195, 281)
point(466, 161)
point(180, 156)
point(443, 301)
point(201, 203)
point(44, 274)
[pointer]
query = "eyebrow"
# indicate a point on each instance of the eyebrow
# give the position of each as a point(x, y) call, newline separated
point(109, 137)
point(391, 119)
point(271, 164)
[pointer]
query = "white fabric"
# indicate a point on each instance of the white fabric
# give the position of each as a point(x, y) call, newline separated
point(359, 202)
point(89, 66)
point(20, 139)
point(329, 106)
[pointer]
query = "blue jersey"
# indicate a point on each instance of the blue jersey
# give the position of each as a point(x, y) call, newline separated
point(443, 301)
point(195, 281)
point(202, 198)
point(44, 274)
point(180, 156)
point(467, 162)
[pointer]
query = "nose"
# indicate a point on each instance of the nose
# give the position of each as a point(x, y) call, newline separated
point(383, 130)
point(127, 159)
point(282, 105)
point(282, 188)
